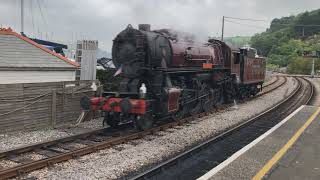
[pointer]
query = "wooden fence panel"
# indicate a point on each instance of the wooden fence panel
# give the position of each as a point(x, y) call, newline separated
point(38, 105)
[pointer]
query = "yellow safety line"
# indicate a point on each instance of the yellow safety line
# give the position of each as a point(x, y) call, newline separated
point(266, 168)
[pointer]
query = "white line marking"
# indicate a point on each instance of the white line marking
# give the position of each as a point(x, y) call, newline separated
point(222, 165)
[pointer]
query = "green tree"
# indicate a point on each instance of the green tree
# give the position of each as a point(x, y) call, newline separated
point(307, 18)
point(302, 65)
point(109, 82)
point(265, 41)
point(283, 43)
point(283, 29)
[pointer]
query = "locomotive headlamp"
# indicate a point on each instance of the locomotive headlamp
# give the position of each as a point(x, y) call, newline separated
point(238, 79)
point(143, 91)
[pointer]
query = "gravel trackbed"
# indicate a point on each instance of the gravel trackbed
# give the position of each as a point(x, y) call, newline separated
point(136, 155)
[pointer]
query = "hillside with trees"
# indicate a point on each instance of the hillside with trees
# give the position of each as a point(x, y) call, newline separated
point(286, 39)
point(237, 41)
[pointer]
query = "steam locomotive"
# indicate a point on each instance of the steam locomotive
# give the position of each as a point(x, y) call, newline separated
point(168, 74)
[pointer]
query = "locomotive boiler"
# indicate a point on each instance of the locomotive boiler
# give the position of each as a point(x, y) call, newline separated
point(169, 74)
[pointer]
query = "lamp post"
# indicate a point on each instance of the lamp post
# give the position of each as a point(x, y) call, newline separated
point(222, 30)
point(22, 17)
point(313, 55)
point(312, 69)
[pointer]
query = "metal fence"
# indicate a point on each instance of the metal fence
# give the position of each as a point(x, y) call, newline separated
point(38, 105)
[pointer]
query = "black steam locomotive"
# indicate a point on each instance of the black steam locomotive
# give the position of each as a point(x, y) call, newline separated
point(166, 74)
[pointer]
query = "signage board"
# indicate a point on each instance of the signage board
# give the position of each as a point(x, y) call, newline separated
point(311, 54)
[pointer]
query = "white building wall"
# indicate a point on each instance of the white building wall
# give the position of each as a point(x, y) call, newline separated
point(88, 65)
point(86, 56)
point(11, 77)
point(15, 52)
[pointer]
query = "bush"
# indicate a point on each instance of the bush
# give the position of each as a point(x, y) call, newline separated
point(106, 78)
point(302, 65)
point(272, 67)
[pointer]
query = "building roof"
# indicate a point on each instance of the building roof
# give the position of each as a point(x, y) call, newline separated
point(17, 51)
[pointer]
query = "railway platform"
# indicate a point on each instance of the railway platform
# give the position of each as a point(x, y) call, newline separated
point(289, 150)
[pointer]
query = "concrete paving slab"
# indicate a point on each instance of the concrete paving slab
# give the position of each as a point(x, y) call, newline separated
point(302, 160)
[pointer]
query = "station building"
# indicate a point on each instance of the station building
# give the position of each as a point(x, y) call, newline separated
point(25, 61)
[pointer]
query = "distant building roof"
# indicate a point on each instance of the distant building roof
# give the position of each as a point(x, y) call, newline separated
point(17, 51)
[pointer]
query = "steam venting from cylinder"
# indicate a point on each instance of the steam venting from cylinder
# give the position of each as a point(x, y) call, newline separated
point(144, 27)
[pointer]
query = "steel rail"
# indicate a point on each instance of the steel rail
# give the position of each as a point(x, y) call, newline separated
point(272, 82)
point(34, 165)
point(31, 147)
point(158, 168)
point(312, 91)
point(263, 92)
point(63, 156)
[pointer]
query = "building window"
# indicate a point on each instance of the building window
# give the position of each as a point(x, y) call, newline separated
point(77, 72)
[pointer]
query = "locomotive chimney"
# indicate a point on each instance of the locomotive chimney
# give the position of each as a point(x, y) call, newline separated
point(144, 27)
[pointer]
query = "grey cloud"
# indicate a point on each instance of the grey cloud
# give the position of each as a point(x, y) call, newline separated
point(68, 20)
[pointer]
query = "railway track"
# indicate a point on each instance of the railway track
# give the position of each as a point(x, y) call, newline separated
point(269, 83)
point(273, 85)
point(51, 152)
point(194, 162)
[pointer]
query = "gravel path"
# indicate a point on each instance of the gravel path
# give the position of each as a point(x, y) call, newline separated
point(122, 159)
point(22, 138)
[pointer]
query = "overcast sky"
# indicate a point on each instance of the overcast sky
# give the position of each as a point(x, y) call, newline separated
point(68, 20)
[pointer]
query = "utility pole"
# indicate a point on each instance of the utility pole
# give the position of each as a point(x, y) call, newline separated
point(222, 31)
point(22, 8)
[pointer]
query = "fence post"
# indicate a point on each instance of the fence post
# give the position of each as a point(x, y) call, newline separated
point(63, 96)
point(54, 108)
